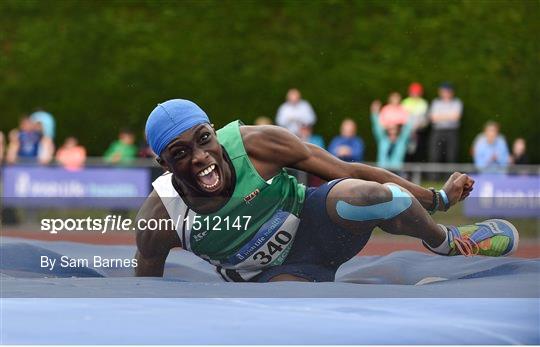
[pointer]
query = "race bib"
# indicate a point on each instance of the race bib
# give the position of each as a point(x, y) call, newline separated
point(269, 246)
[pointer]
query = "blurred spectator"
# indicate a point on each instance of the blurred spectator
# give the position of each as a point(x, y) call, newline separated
point(71, 155)
point(123, 150)
point(46, 146)
point(263, 121)
point(490, 150)
point(12, 146)
point(519, 152)
point(347, 146)
point(391, 140)
point(445, 116)
point(295, 112)
point(2, 147)
point(24, 142)
point(47, 121)
point(393, 113)
point(306, 134)
point(416, 107)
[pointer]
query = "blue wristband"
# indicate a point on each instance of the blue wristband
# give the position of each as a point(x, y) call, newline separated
point(444, 198)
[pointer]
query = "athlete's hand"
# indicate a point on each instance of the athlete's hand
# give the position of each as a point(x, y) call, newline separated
point(458, 187)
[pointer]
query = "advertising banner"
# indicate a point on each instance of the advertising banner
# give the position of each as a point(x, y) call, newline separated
point(504, 196)
point(34, 186)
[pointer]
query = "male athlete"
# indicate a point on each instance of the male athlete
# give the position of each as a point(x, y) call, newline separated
point(237, 208)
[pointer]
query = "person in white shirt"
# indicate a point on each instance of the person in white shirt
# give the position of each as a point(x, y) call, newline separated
point(445, 115)
point(295, 112)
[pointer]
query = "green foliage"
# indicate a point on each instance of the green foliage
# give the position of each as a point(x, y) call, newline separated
point(102, 65)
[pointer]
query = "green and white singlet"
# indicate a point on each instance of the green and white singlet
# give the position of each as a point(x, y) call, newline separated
point(256, 227)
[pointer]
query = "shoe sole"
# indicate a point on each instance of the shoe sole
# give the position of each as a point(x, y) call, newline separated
point(514, 232)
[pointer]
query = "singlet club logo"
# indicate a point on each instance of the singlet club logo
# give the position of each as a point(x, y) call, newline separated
point(251, 195)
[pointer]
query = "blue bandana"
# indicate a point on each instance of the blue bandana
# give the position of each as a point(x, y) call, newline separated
point(171, 119)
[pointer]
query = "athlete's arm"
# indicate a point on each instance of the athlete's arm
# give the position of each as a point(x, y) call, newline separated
point(153, 246)
point(272, 148)
point(458, 186)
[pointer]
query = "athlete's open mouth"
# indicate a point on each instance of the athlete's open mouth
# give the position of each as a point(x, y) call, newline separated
point(208, 178)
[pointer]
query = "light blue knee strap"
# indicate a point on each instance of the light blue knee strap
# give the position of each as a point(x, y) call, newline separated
point(385, 210)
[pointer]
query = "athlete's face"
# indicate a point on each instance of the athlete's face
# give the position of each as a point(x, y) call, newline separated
point(196, 159)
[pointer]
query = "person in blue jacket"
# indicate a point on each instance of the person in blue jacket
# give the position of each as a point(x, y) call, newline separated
point(491, 154)
point(347, 146)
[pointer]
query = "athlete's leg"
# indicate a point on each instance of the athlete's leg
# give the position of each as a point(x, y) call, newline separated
point(359, 206)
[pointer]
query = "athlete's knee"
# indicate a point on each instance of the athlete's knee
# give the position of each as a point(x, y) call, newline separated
point(402, 199)
point(359, 192)
point(378, 202)
point(394, 185)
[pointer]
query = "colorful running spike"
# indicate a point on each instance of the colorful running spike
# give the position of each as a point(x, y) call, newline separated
point(493, 238)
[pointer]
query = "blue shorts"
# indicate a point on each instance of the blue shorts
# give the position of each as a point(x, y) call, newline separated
point(320, 246)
